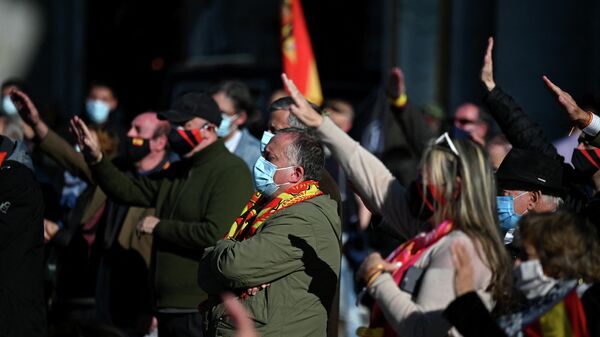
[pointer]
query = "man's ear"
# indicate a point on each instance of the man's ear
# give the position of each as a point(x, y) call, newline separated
point(113, 104)
point(160, 143)
point(297, 175)
point(535, 198)
point(242, 118)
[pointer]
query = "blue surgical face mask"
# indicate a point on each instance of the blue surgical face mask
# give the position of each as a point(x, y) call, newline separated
point(266, 138)
point(506, 212)
point(97, 111)
point(225, 127)
point(7, 105)
point(264, 171)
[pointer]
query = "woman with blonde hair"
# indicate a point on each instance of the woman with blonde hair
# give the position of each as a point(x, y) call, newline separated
point(457, 188)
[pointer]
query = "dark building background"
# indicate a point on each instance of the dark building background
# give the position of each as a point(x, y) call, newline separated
point(148, 49)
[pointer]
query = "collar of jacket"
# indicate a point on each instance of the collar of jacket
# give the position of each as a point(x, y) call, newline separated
point(208, 153)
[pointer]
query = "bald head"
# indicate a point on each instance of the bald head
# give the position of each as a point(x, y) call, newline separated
point(147, 125)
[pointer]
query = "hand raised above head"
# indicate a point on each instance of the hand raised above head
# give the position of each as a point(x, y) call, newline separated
point(86, 140)
point(33, 125)
point(487, 71)
point(396, 86)
point(27, 110)
point(301, 108)
point(576, 114)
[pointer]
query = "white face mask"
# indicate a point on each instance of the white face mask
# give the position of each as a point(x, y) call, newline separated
point(97, 111)
point(530, 279)
point(266, 138)
point(226, 126)
point(8, 106)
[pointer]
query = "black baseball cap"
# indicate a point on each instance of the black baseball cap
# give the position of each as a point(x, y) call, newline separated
point(190, 105)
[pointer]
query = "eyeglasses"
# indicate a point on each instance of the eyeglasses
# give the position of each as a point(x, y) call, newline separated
point(445, 139)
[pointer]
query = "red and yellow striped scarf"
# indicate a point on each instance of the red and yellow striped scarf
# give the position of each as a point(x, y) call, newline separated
point(253, 215)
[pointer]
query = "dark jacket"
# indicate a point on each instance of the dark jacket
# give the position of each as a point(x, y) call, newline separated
point(196, 200)
point(523, 133)
point(22, 307)
point(470, 317)
point(297, 251)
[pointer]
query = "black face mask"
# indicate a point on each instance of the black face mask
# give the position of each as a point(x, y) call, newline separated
point(184, 141)
point(137, 148)
point(420, 200)
point(586, 161)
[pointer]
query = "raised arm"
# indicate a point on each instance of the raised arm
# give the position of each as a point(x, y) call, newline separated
point(519, 129)
point(411, 120)
point(49, 142)
point(377, 187)
point(138, 191)
point(587, 121)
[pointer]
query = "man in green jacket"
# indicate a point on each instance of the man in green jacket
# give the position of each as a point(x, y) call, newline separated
point(285, 242)
point(196, 201)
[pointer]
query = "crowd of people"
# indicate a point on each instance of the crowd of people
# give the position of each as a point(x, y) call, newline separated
point(188, 223)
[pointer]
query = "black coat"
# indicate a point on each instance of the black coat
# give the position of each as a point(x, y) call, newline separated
point(523, 133)
point(470, 317)
point(22, 307)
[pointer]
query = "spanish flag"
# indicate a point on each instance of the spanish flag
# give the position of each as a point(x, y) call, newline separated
point(298, 59)
point(565, 319)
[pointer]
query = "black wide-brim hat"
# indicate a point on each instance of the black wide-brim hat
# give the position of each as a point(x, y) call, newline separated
point(527, 170)
point(190, 105)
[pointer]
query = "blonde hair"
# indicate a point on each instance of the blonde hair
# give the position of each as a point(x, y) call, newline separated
point(466, 189)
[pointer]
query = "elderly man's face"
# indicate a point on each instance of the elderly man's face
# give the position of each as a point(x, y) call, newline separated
point(275, 152)
point(521, 200)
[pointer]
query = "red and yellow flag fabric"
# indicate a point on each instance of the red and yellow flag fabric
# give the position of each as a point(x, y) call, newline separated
point(298, 59)
point(565, 319)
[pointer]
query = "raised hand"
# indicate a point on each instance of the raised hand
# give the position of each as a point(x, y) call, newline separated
point(576, 114)
point(301, 109)
point(87, 142)
point(29, 114)
point(396, 86)
point(463, 270)
point(487, 71)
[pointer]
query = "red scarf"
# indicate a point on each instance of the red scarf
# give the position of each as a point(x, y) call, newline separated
point(255, 214)
point(408, 254)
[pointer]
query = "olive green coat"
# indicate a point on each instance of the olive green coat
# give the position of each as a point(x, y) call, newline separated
point(196, 200)
point(297, 251)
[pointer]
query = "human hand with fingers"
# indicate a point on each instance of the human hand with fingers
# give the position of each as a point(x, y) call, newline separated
point(396, 86)
point(50, 230)
point(301, 109)
point(147, 224)
point(463, 270)
point(254, 290)
point(487, 71)
point(374, 264)
point(29, 113)
point(579, 116)
point(86, 140)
